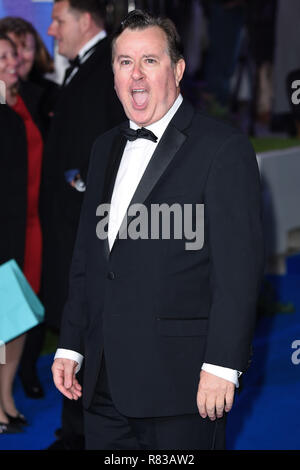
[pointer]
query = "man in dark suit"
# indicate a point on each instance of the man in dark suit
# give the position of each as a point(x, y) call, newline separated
point(86, 107)
point(164, 327)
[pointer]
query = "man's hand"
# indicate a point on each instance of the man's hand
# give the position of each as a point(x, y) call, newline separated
point(214, 395)
point(64, 378)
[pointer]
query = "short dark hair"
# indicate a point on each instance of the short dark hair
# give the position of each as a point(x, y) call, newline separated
point(96, 8)
point(139, 19)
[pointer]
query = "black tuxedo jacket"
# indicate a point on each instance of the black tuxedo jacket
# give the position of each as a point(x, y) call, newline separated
point(157, 310)
point(85, 108)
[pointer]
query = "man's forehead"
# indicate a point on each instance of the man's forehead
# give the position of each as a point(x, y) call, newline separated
point(59, 8)
point(150, 40)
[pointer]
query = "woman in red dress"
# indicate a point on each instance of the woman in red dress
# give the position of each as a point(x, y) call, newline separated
point(34, 62)
point(21, 236)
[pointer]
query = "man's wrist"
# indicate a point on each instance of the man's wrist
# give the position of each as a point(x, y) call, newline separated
point(224, 372)
point(69, 354)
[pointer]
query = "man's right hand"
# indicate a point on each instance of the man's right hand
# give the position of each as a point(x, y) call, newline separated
point(64, 378)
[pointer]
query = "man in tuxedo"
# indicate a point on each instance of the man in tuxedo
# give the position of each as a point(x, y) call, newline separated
point(164, 327)
point(86, 107)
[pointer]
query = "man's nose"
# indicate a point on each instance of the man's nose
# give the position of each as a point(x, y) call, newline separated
point(137, 72)
point(51, 30)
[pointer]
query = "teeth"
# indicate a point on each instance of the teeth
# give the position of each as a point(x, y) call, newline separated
point(138, 91)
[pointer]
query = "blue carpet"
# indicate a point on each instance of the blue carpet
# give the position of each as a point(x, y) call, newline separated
point(43, 414)
point(266, 412)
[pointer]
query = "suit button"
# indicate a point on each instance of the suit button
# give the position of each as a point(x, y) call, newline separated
point(111, 275)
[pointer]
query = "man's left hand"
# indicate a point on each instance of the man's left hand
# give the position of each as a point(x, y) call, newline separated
point(214, 395)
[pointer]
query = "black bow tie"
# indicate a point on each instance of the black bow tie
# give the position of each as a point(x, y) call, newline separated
point(141, 133)
point(74, 63)
point(77, 62)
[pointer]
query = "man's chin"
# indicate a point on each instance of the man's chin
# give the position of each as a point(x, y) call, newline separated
point(62, 52)
point(141, 117)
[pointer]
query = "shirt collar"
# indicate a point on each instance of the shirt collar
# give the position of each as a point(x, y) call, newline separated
point(160, 126)
point(92, 43)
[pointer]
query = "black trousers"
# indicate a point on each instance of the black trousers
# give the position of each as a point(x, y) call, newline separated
point(72, 421)
point(107, 429)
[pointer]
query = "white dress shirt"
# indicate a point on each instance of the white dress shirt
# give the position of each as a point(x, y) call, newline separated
point(137, 154)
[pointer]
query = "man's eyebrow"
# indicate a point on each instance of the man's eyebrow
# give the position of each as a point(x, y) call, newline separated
point(153, 56)
point(122, 56)
point(145, 56)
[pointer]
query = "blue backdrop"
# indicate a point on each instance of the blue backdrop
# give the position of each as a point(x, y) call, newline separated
point(38, 12)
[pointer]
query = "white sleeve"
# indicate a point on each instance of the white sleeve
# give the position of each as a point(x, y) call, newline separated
point(69, 354)
point(223, 372)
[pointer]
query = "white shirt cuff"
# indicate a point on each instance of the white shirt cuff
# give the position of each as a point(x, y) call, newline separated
point(223, 372)
point(69, 354)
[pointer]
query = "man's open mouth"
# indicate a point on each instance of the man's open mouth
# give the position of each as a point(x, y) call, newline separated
point(140, 96)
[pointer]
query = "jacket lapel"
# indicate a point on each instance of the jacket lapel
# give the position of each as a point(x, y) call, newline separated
point(85, 69)
point(111, 174)
point(118, 146)
point(170, 143)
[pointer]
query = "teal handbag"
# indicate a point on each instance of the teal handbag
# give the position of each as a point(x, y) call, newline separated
point(20, 308)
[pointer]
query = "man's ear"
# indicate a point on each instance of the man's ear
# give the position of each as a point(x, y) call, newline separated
point(85, 21)
point(179, 71)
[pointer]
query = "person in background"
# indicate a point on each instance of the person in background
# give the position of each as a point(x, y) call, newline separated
point(87, 106)
point(226, 19)
point(33, 62)
point(21, 238)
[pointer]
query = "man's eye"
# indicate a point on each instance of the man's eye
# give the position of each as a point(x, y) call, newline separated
point(125, 62)
point(150, 61)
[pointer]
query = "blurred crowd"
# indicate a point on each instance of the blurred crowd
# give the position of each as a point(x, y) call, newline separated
point(242, 57)
point(47, 129)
